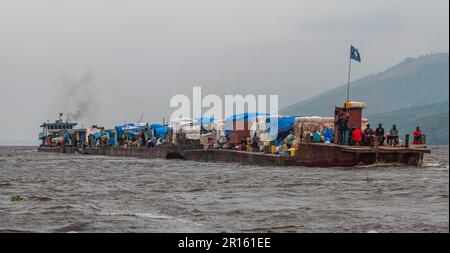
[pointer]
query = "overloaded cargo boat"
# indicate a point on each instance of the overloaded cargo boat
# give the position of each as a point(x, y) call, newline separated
point(309, 155)
point(306, 153)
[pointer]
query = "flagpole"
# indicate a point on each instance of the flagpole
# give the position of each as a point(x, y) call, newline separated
point(348, 83)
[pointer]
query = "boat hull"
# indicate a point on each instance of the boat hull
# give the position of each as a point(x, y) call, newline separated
point(308, 155)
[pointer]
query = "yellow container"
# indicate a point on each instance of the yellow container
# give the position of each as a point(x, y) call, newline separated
point(272, 149)
point(347, 104)
point(292, 151)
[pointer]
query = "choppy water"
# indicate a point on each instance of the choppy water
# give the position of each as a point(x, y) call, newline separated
point(65, 193)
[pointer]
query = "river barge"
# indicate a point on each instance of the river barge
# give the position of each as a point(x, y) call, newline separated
point(308, 155)
point(305, 153)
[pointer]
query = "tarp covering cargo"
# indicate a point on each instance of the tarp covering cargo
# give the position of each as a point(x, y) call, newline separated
point(189, 127)
point(94, 132)
point(246, 117)
point(263, 125)
point(133, 129)
point(111, 134)
point(218, 128)
point(204, 120)
point(128, 128)
point(160, 130)
point(309, 124)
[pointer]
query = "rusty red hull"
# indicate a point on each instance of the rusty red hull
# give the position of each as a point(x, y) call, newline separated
point(316, 155)
point(309, 155)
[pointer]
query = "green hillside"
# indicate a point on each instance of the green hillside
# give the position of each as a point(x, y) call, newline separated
point(413, 82)
point(433, 119)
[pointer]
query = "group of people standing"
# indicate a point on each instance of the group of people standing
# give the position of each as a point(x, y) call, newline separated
point(369, 136)
point(355, 136)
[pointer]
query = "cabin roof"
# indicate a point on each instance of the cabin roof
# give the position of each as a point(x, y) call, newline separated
point(59, 124)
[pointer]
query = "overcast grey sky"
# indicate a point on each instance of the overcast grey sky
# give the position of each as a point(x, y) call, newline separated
point(138, 54)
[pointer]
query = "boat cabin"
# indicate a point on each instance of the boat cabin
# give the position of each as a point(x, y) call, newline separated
point(50, 129)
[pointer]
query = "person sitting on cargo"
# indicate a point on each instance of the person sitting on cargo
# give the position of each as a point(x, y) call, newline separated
point(316, 136)
point(209, 144)
point(289, 139)
point(356, 136)
point(379, 133)
point(393, 135)
point(60, 141)
point(368, 136)
point(284, 149)
point(93, 141)
point(327, 135)
point(105, 140)
point(418, 136)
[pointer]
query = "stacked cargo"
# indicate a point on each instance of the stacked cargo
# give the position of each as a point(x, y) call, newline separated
point(304, 126)
point(187, 127)
point(239, 130)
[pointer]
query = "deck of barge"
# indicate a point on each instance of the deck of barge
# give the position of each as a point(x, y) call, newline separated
point(380, 149)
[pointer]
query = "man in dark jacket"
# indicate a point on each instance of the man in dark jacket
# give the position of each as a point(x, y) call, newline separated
point(255, 141)
point(379, 133)
point(341, 126)
point(368, 136)
point(345, 130)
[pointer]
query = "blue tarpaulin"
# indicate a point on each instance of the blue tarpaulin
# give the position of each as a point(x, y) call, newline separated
point(155, 125)
point(129, 128)
point(160, 130)
point(112, 139)
point(120, 128)
point(204, 120)
point(241, 117)
point(285, 124)
point(96, 135)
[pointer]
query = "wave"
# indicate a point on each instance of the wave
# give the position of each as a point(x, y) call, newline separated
point(143, 215)
point(153, 216)
point(435, 165)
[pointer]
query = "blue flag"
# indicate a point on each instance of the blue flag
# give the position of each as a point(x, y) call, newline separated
point(354, 54)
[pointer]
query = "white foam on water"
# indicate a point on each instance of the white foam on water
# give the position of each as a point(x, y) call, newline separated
point(152, 216)
point(143, 215)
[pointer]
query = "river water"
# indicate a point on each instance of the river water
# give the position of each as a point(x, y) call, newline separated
point(81, 193)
